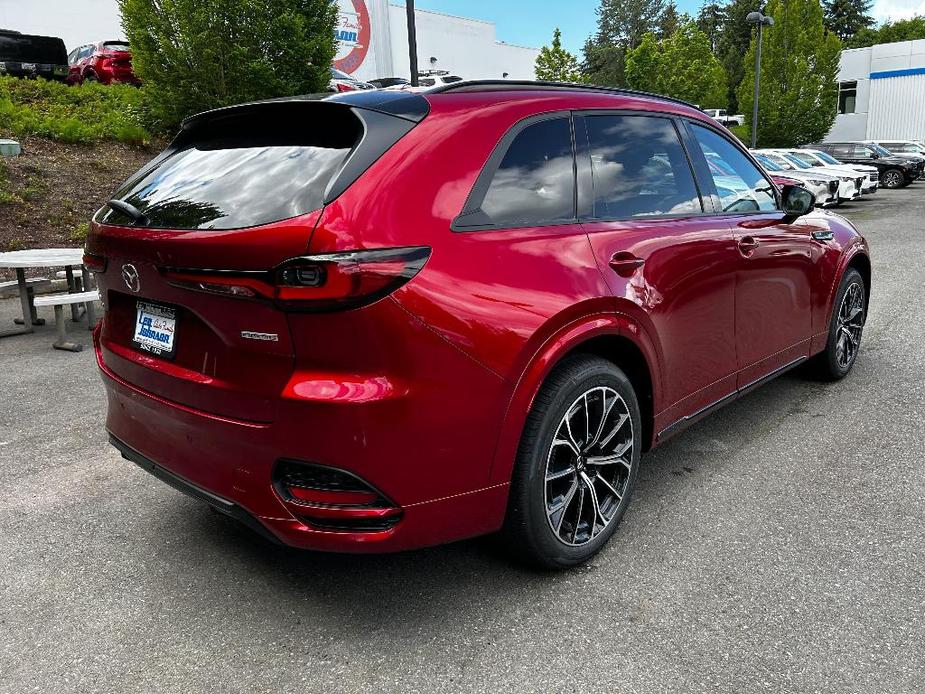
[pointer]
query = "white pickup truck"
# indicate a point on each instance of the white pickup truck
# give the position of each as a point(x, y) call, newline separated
point(720, 115)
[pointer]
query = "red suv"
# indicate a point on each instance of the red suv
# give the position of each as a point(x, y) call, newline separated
point(105, 62)
point(382, 320)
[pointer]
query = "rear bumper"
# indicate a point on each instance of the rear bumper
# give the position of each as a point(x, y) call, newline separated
point(229, 464)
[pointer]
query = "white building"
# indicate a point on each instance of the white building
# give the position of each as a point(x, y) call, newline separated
point(372, 37)
point(881, 93)
point(373, 42)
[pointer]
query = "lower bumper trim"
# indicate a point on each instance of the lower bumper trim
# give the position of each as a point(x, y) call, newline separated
point(220, 504)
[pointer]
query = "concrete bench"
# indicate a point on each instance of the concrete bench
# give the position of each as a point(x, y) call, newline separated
point(59, 301)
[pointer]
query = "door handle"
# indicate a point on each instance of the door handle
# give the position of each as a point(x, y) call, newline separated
point(625, 263)
point(747, 244)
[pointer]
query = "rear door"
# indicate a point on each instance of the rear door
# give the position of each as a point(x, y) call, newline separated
point(669, 261)
point(774, 278)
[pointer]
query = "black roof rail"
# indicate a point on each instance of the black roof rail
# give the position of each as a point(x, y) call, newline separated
point(524, 85)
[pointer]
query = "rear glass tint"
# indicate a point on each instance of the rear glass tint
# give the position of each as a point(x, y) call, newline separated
point(242, 172)
point(32, 49)
point(115, 46)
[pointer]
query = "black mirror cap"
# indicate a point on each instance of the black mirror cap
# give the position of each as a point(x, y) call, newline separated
point(797, 201)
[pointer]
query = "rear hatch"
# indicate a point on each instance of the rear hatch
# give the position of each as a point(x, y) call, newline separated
point(118, 57)
point(191, 251)
point(28, 55)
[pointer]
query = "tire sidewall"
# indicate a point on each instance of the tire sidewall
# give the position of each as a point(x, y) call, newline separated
point(850, 277)
point(597, 373)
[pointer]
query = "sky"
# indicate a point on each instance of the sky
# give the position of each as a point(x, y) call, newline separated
point(524, 22)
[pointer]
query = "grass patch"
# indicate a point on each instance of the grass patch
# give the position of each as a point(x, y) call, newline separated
point(86, 113)
point(79, 233)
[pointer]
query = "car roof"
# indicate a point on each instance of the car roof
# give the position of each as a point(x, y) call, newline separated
point(587, 96)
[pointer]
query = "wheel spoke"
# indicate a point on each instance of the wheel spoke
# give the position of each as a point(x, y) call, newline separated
point(620, 422)
point(563, 506)
point(571, 436)
point(594, 504)
point(560, 474)
point(581, 506)
point(609, 486)
point(563, 442)
point(600, 425)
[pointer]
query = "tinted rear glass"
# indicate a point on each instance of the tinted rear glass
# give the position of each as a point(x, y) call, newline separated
point(115, 46)
point(32, 49)
point(242, 173)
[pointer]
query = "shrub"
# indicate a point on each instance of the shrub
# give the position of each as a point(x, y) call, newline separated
point(194, 55)
point(85, 113)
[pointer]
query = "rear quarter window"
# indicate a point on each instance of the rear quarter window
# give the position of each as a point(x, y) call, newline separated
point(242, 172)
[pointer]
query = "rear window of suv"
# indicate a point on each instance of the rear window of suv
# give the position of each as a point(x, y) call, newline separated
point(242, 172)
point(32, 49)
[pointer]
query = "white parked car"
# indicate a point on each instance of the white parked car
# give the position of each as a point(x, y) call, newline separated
point(818, 158)
point(428, 80)
point(824, 186)
point(721, 116)
point(850, 183)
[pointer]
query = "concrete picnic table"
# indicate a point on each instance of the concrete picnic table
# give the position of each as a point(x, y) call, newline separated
point(69, 258)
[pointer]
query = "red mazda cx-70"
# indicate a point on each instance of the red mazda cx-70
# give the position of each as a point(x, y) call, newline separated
point(378, 320)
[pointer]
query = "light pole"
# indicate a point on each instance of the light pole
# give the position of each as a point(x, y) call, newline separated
point(761, 21)
point(412, 42)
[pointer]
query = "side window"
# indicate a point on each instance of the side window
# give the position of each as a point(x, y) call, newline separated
point(639, 168)
point(72, 57)
point(740, 185)
point(843, 152)
point(535, 182)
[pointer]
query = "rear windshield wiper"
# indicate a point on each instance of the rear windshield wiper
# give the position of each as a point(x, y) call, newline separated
point(129, 210)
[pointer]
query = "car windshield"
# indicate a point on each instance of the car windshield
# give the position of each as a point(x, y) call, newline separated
point(767, 163)
point(827, 158)
point(780, 162)
point(338, 75)
point(796, 161)
point(880, 150)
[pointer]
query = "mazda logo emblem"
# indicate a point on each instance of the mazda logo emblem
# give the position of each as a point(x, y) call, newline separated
point(130, 277)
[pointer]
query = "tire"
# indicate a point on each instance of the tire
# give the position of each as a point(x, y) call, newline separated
point(569, 471)
point(845, 329)
point(892, 178)
point(90, 77)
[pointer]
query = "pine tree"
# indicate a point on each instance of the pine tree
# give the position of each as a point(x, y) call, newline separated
point(623, 22)
point(799, 68)
point(603, 64)
point(669, 20)
point(711, 20)
point(845, 18)
point(733, 43)
point(556, 64)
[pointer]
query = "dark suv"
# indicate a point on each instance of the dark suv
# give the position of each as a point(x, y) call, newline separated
point(385, 320)
point(25, 55)
point(895, 171)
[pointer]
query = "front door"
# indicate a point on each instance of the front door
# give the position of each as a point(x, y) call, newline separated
point(773, 287)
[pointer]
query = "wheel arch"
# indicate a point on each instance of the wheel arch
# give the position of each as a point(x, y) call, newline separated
point(860, 261)
point(613, 337)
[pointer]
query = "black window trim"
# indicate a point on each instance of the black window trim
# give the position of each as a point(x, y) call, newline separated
point(588, 216)
point(472, 208)
point(704, 170)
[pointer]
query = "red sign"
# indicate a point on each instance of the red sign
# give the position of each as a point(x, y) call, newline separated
point(353, 34)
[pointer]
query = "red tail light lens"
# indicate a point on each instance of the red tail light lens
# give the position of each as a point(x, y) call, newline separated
point(94, 263)
point(336, 281)
point(326, 282)
point(341, 87)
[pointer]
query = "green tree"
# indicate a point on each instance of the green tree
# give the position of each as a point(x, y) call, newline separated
point(911, 29)
point(603, 63)
point(669, 20)
point(623, 22)
point(557, 64)
point(682, 66)
point(733, 43)
point(644, 64)
point(194, 55)
point(845, 18)
point(711, 20)
point(799, 66)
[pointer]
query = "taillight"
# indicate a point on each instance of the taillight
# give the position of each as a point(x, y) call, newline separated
point(324, 282)
point(341, 87)
point(94, 263)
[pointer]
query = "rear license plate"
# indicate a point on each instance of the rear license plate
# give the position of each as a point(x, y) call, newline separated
point(155, 329)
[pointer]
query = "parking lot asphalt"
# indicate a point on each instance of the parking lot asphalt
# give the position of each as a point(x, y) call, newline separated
point(778, 546)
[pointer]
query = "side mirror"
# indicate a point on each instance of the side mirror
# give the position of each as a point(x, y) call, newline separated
point(797, 201)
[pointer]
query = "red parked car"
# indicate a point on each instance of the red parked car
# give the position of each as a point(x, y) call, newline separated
point(382, 320)
point(105, 62)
